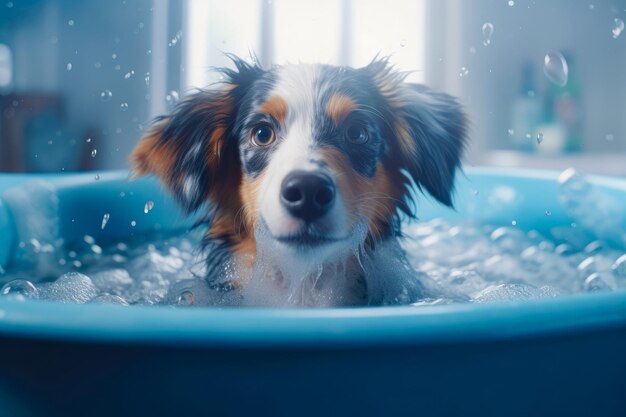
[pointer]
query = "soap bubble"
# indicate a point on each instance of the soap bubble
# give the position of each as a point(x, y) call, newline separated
point(618, 27)
point(403, 43)
point(555, 68)
point(106, 95)
point(487, 32)
point(124, 106)
point(619, 267)
point(19, 289)
point(595, 283)
point(186, 298)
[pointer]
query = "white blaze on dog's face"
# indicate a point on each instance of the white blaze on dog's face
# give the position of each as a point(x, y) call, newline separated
point(308, 153)
point(299, 201)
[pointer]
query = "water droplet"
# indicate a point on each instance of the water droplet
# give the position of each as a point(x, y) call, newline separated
point(148, 207)
point(511, 132)
point(610, 137)
point(487, 32)
point(9, 5)
point(539, 138)
point(403, 43)
point(476, 192)
point(514, 222)
point(88, 140)
point(129, 74)
point(618, 27)
point(19, 289)
point(146, 78)
point(176, 38)
point(555, 68)
point(114, 56)
point(97, 177)
point(172, 98)
point(105, 220)
point(511, 3)
point(69, 66)
point(70, 22)
point(106, 95)
point(548, 213)
point(133, 223)
point(592, 6)
point(464, 72)
point(94, 153)
point(124, 106)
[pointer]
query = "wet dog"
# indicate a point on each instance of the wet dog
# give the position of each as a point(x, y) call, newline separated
point(304, 172)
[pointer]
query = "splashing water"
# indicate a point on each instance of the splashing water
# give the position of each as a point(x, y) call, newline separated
point(175, 39)
point(487, 32)
point(437, 262)
point(105, 220)
point(555, 68)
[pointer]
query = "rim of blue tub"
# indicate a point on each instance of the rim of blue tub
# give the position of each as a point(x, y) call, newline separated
point(271, 327)
point(345, 327)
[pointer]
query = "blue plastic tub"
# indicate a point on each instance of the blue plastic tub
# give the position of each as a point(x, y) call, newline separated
point(564, 356)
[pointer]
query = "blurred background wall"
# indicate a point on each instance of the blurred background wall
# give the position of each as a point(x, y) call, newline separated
point(78, 77)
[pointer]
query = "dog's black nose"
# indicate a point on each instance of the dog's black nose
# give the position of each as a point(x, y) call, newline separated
point(307, 195)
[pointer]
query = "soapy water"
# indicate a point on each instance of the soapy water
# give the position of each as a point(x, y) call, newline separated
point(445, 262)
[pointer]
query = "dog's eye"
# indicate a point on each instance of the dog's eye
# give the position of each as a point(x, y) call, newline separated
point(263, 135)
point(356, 133)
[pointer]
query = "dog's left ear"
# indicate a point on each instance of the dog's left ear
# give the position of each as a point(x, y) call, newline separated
point(429, 131)
point(433, 130)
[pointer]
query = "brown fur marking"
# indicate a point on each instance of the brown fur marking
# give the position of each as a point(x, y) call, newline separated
point(275, 106)
point(374, 198)
point(338, 107)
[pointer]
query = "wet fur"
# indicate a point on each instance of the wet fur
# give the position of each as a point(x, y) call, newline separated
point(199, 153)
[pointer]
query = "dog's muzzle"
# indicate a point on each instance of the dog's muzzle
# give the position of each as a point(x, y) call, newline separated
point(307, 195)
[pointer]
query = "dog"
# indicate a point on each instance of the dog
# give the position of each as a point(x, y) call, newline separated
point(305, 172)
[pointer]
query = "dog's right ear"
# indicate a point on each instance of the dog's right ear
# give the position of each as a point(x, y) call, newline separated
point(193, 150)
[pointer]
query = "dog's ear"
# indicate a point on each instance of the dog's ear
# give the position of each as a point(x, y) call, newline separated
point(193, 150)
point(429, 131)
